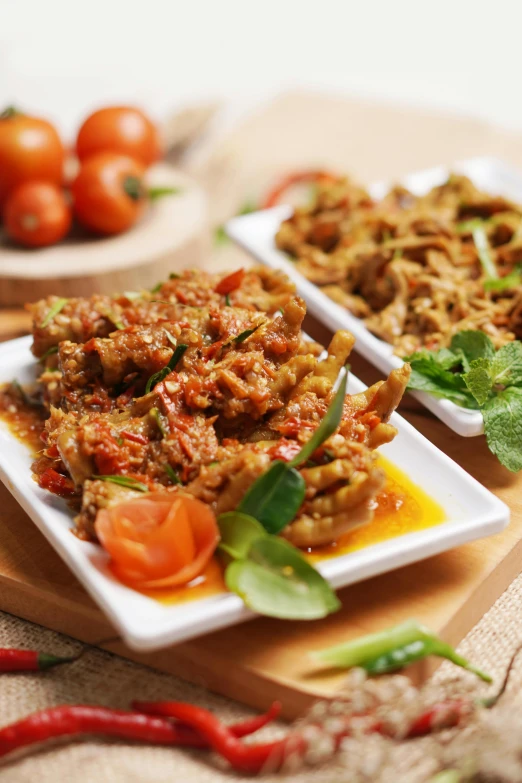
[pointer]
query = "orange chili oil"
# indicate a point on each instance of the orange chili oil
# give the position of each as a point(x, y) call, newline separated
point(402, 507)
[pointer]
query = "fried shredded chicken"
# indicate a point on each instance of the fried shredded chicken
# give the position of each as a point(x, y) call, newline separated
point(407, 265)
point(246, 390)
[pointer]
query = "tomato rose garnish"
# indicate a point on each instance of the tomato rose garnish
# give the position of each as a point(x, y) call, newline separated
point(159, 540)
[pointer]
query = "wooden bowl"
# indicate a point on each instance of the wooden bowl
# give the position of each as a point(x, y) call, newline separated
point(173, 233)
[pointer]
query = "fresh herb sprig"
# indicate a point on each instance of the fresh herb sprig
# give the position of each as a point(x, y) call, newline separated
point(161, 374)
point(475, 376)
point(270, 575)
point(124, 481)
point(275, 497)
point(493, 281)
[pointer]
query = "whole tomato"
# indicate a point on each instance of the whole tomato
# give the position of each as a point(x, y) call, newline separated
point(30, 149)
point(121, 129)
point(108, 193)
point(37, 214)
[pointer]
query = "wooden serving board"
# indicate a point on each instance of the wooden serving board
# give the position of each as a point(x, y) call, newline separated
point(265, 659)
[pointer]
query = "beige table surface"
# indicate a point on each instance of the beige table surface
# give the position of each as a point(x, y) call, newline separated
point(373, 142)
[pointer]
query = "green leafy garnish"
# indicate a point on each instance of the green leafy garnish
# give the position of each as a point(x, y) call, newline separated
point(243, 335)
point(275, 497)
point(49, 352)
point(480, 239)
point(156, 415)
point(328, 425)
point(493, 281)
point(161, 374)
point(157, 288)
point(473, 375)
point(227, 300)
point(511, 280)
point(155, 193)
point(174, 276)
point(54, 310)
point(124, 481)
point(171, 473)
point(269, 574)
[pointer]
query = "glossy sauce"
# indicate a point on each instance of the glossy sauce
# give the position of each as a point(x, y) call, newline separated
point(402, 507)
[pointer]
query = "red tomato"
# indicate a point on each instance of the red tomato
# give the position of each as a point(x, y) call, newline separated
point(37, 214)
point(30, 149)
point(160, 540)
point(120, 129)
point(108, 193)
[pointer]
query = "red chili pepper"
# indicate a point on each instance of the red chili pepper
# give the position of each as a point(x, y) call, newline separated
point(30, 660)
point(241, 729)
point(56, 483)
point(271, 755)
point(135, 437)
point(74, 720)
point(230, 282)
point(274, 196)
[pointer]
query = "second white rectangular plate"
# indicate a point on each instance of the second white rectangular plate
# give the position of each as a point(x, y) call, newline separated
point(256, 234)
point(471, 512)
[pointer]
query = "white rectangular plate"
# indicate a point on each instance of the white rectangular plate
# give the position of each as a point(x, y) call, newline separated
point(256, 234)
point(145, 624)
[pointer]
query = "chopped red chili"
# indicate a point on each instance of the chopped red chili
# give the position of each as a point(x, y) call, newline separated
point(231, 282)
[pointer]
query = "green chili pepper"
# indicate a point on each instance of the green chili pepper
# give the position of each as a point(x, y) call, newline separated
point(393, 649)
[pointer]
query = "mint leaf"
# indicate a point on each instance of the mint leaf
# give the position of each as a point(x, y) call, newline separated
point(472, 344)
point(503, 427)
point(430, 373)
point(506, 367)
point(478, 380)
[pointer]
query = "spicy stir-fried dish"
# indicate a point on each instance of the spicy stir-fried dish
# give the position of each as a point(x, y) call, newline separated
point(417, 270)
point(195, 391)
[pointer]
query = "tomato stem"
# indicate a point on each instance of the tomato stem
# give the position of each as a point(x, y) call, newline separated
point(9, 112)
point(133, 187)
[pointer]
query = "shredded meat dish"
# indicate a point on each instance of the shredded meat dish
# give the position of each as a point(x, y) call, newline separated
point(246, 389)
point(408, 265)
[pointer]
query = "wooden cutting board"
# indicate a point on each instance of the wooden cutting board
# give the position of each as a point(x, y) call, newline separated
point(266, 659)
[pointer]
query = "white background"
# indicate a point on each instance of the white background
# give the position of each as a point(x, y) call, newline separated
point(62, 57)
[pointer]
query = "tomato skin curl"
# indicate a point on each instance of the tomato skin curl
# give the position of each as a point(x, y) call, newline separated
point(160, 540)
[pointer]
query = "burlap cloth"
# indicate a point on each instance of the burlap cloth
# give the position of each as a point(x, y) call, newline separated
point(295, 130)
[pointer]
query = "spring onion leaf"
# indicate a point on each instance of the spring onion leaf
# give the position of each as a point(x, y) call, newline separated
point(243, 335)
point(124, 481)
point(161, 374)
point(484, 252)
point(227, 300)
point(156, 288)
point(171, 473)
point(56, 308)
point(156, 415)
point(49, 352)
